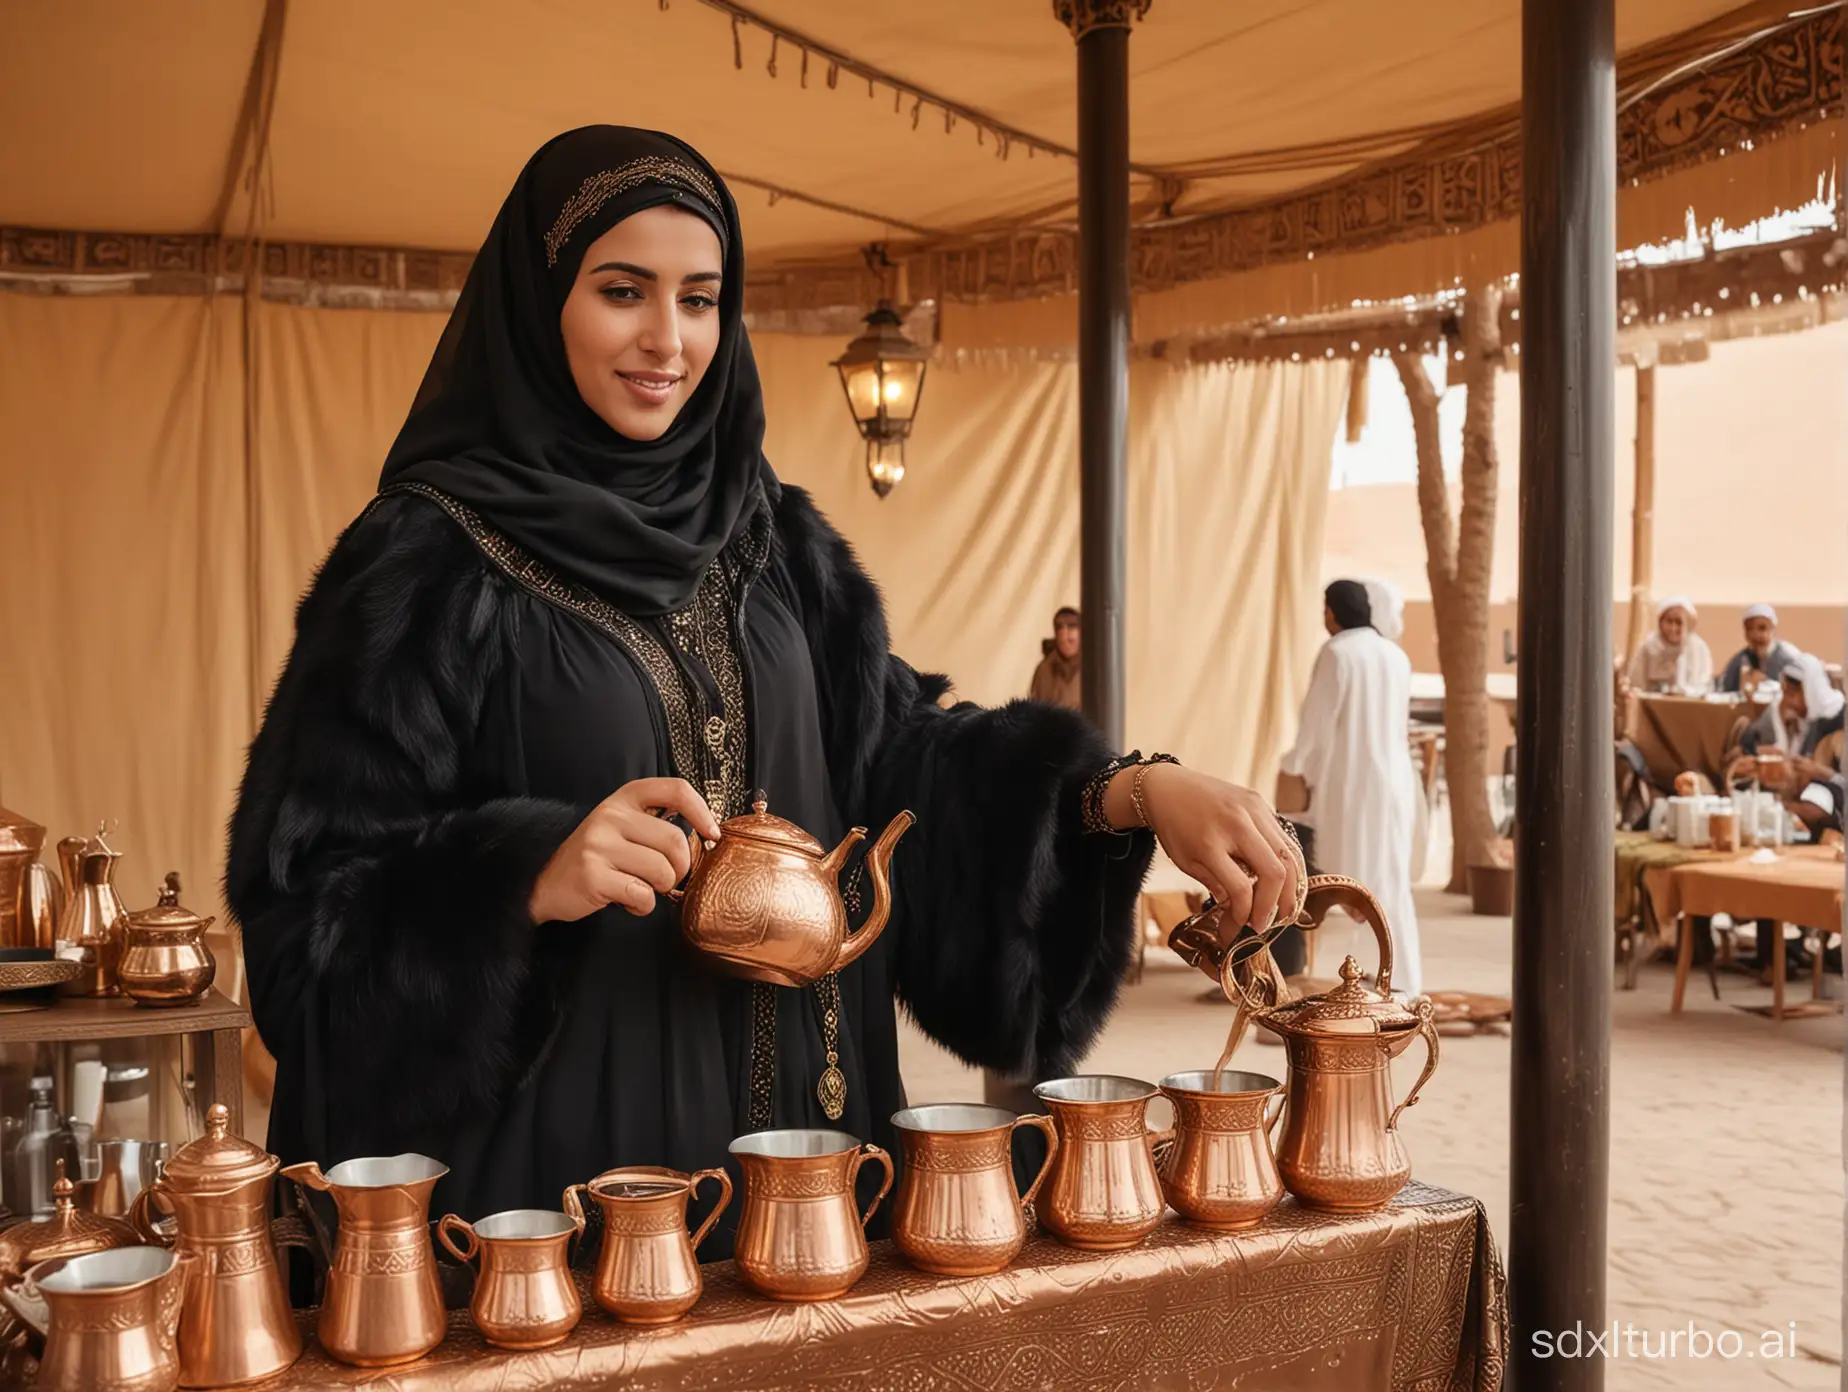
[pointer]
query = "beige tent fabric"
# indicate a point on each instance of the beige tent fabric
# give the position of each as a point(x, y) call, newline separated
point(140, 642)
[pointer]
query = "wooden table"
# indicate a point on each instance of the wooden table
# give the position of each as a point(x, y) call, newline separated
point(1409, 1299)
point(216, 1025)
point(1803, 886)
point(1677, 733)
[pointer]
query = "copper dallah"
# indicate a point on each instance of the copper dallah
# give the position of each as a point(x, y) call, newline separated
point(237, 1326)
point(646, 1269)
point(798, 1236)
point(114, 1320)
point(1103, 1194)
point(1340, 1148)
point(765, 903)
point(164, 957)
point(1215, 1162)
point(957, 1213)
point(524, 1295)
point(93, 923)
point(383, 1303)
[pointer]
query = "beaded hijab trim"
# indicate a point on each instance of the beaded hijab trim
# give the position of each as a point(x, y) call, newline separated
point(598, 189)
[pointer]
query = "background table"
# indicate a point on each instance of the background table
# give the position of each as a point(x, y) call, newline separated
point(1676, 733)
point(1411, 1299)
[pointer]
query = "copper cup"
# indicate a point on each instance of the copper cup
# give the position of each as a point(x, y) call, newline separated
point(115, 1319)
point(524, 1295)
point(1103, 1195)
point(646, 1270)
point(1215, 1164)
point(798, 1236)
point(957, 1213)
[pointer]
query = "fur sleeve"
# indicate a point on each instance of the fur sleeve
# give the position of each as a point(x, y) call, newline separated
point(384, 909)
point(1013, 927)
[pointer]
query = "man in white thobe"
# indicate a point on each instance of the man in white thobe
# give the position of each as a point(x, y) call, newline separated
point(1351, 751)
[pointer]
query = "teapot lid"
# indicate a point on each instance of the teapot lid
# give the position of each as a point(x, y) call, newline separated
point(20, 833)
point(760, 824)
point(168, 913)
point(218, 1159)
point(69, 1232)
point(1351, 1008)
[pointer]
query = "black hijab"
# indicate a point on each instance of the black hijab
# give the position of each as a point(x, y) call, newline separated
point(1347, 601)
point(498, 422)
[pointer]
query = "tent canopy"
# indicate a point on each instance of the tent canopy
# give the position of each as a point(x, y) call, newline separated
point(404, 124)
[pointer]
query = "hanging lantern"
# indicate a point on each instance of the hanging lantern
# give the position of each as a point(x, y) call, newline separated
point(882, 373)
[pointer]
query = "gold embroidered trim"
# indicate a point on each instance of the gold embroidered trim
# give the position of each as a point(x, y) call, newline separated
point(598, 189)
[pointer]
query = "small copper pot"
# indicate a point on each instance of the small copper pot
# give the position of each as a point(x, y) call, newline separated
point(957, 1213)
point(1215, 1164)
point(164, 957)
point(524, 1295)
point(646, 1270)
point(1103, 1195)
point(798, 1236)
point(115, 1320)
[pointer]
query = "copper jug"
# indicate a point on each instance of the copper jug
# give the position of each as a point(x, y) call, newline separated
point(1340, 1148)
point(646, 1270)
point(114, 1318)
point(237, 1326)
point(1215, 1164)
point(164, 957)
point(69, 1232)
point(93, 924)
point(1103, 1195)
point(957, 1212)
point(765, 903)
point(21, 840)
point(524, 1295)
point(383, 1303)
point(798, 1236)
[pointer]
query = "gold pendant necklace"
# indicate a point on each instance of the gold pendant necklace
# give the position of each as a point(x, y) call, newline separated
point(832, 1089)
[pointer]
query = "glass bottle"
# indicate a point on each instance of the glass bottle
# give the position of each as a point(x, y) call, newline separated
point(33, 1160)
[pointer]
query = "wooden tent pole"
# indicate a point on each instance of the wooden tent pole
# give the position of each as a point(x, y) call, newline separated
point(1559, 1168)
point(1642, 516)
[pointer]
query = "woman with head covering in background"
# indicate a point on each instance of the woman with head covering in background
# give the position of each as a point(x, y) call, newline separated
point(1674, 657)
point(1764, 654)
point(582, 602)
point(1808, 710)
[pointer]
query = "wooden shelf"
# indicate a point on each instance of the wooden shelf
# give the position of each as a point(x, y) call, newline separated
point(117, 1017)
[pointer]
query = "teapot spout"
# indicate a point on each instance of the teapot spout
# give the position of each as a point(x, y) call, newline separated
point(836, 860)
point(878, 867)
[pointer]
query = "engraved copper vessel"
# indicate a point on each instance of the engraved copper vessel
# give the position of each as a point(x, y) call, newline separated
point(69, 1232)
point(93, 923)
point(646, 1270)
point(164, 957)
point(237, 1326)
point(1103, 1195)
point(1215, 1164)
point(957, 1213)
point(765, 902)
point(21, 840)
point(1340, 1148)
point(524, 1295)
point(114, 1320)
point(383, 1303)
point(798, 1236)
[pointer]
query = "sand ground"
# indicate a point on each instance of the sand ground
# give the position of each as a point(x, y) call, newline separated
point(1726, 1174)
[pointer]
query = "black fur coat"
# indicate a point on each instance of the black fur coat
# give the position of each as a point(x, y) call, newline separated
point(438, 732)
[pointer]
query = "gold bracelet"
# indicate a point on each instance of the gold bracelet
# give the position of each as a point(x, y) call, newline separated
point(1140, 807)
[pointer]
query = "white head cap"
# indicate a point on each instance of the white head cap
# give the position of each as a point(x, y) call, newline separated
point(1760, 611)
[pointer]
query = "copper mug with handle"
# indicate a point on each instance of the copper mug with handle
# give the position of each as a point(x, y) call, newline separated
point(798, 1236)
point(524, 1295)
point(647, 1272)
point(1103, 1194)
point(1215, 1163)
point(957, 1212)
point(383, 1303)
point(114, 1319)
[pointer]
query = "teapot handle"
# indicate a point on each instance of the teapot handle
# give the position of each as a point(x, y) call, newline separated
point(869, 1151)
point(1270, 1125)
point(451, 1222)
point(696, 848)
point(141, 1217)
point(1051, 1128)
point(573, 1205)
point(1427, 1026)
point(725, 1198)
point(1339, 892)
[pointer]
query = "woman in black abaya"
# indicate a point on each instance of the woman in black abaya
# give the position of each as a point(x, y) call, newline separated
point(581, 595)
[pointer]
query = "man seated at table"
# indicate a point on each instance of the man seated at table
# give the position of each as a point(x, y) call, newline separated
point(1674, 657)
point(1807, 711)
point(1764, 656)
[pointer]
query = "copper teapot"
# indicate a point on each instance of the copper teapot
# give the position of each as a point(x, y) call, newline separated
point(1340, 1149)
point(765, 903)
point(164, 957)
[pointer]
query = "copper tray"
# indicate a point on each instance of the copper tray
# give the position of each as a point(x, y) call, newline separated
point(17, 979)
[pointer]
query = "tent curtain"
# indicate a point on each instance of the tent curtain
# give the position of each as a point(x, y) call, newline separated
point(151, 579)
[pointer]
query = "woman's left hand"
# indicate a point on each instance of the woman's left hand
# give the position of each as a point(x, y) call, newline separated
point(1212, 829)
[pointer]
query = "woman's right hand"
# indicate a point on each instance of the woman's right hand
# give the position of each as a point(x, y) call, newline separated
point(622, 853)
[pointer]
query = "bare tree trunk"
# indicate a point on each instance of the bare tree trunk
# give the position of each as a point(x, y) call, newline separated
point(1459, 558)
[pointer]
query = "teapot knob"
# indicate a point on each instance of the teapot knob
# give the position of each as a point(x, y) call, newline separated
point(760, 801)
point(1350, 971)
